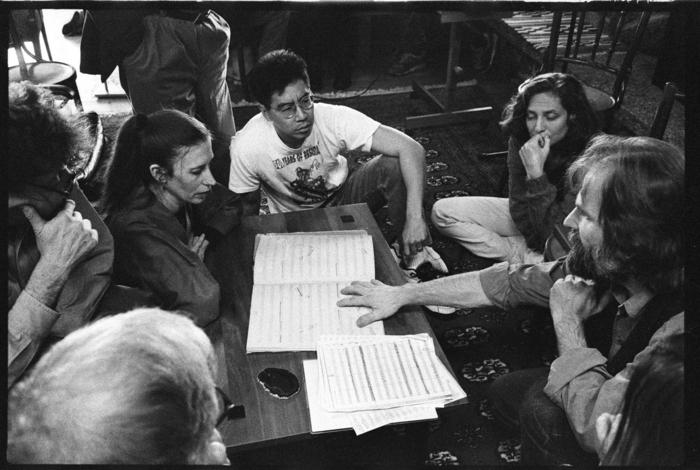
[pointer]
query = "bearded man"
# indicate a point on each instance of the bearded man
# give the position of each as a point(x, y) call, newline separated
point(615, 296)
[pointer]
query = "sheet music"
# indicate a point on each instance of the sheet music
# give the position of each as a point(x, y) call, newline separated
point(361, 422)
point(381, 372)
point(297, 282)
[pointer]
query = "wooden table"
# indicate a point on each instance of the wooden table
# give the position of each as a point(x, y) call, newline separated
point(271, 420)
point(445, 115)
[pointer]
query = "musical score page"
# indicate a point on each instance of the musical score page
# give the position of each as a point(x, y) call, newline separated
point(297, 278)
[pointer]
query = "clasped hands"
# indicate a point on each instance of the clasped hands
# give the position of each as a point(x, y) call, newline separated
point(575, 299)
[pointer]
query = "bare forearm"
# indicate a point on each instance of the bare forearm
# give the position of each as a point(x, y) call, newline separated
point(569, 333)
point(460, 291)
point(413, 174)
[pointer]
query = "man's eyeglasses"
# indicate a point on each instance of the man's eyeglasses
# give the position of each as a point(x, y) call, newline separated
point(62, 183)
point(228, 409)
point(288, 111)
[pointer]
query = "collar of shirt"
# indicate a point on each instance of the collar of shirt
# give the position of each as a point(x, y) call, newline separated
point(631, 306)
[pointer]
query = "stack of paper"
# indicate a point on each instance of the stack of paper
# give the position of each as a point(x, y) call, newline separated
point(297, 280)
point(367, 382)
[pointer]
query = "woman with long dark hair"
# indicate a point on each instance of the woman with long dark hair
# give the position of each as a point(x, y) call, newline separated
point(548, 121)
point(159, 172)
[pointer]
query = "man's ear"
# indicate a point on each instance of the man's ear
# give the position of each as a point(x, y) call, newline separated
point(158, 173)
point(265, 112)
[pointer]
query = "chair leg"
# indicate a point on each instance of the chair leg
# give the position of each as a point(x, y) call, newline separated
point(73, 85)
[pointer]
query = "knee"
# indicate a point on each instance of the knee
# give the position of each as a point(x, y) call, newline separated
point(389, 167)
point(541, 419)
point(439, 214)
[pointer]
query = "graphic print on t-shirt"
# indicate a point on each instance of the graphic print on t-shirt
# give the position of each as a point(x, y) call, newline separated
point(311, 179)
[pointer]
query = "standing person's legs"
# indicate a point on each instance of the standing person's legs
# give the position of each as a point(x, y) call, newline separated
point(164, 71)
point(378, 182)
point(213, 100)
point(482, 225)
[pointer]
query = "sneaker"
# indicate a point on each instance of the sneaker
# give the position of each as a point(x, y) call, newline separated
point(443, 309)
point(427, 255)
point(407, 63)
point(409, 273)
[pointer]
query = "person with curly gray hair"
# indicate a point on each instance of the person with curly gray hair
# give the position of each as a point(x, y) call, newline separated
point(134, 388)
point(60, 252)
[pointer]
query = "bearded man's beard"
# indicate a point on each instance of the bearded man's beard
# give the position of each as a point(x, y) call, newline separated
point(585, 262)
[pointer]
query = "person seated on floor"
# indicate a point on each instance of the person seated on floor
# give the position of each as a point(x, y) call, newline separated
point(294, 148)
point(133, 388)
point(648, 430)
point(618, 291)
point(163, 207)
point(60, 252)
point(549, 121)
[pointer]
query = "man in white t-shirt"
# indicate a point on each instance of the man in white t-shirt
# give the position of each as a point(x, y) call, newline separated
point(293, 150)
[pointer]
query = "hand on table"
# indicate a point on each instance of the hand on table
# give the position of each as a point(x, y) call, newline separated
point(383, 300)
point(534, 154)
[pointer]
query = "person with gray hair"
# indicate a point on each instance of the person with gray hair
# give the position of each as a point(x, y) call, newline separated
point(134, 388)
point(60, 252)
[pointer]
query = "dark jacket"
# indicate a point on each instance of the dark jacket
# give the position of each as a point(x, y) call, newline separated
point(152, 252)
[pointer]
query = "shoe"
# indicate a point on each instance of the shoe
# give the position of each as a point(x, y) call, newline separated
point(427, 255)
point(407, 63)
point(409, 274)
point(443, 309)
point(75, 26)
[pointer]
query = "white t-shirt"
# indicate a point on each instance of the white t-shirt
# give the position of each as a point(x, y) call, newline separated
point(305, 177)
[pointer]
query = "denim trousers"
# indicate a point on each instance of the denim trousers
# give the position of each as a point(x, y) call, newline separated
point(546, 436)
point(377, 182)
point(482, 225)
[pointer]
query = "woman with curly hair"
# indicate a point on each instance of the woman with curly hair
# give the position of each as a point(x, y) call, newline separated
point(548, 121)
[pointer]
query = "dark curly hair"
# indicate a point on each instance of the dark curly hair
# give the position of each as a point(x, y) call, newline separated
point(158, 138)
point(273, 72)
point(573, 99)
point(40, 140)
point(641, 210)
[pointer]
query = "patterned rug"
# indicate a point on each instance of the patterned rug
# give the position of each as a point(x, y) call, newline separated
point(481, 344)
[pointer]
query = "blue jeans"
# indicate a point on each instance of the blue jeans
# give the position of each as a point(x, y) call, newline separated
point(377, 182)
point(546, 437)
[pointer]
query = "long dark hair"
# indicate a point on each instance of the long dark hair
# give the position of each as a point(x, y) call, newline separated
point(573, 99)
point(142, 141)
point(641, 209)
point(650, 432)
